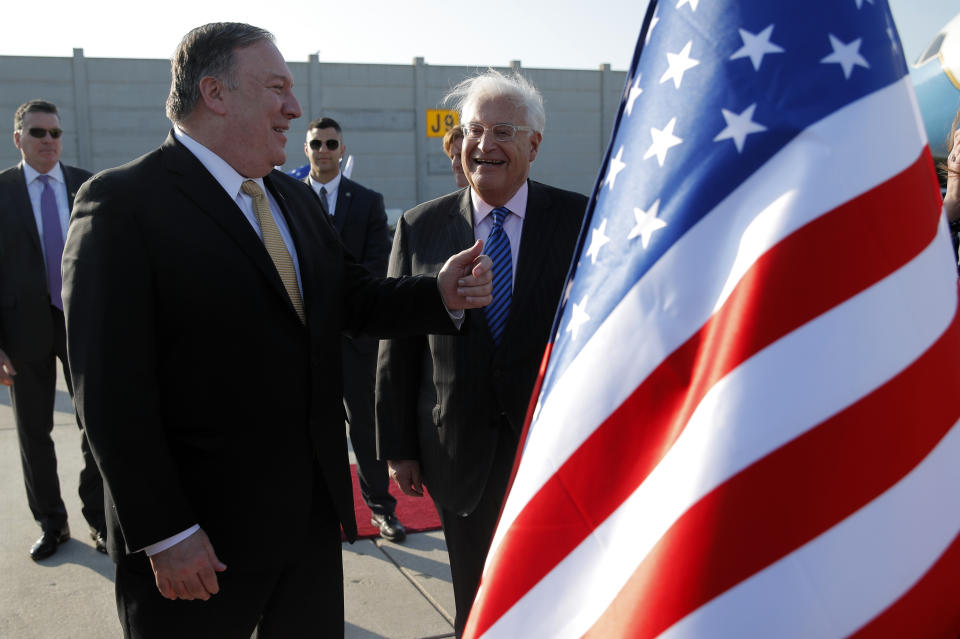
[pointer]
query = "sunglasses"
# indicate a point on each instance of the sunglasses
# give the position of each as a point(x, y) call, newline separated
point(40, 133)
point(332, 145)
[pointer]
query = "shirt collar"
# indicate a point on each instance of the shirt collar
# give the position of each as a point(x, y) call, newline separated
point(331, 186)
point(30, 174)
point(225, 175)
point(517, 204)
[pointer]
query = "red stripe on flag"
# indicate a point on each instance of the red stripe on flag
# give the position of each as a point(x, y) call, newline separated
point(792, 495)
point(806, 274)
point(934, 601)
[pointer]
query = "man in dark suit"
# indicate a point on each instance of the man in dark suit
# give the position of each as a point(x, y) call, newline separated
point(36, 197)
point(205, 297)
point(449, 412)
point(359, 216)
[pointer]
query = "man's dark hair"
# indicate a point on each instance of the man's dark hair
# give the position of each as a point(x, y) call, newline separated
point(33, 106)
point(324, 123)
point(207, 51)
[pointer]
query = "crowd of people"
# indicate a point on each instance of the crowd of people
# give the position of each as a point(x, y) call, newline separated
point(222, 504)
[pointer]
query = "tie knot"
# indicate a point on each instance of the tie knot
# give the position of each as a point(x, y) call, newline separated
point(251, 188)
point(499, 215)
point(323, 190)
point(45, 179)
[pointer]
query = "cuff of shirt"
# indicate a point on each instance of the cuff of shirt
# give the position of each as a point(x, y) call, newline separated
point(160, 546)
point(457, 317)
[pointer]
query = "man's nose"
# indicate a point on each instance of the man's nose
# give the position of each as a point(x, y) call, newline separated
point(487, 141)
point(292, 108)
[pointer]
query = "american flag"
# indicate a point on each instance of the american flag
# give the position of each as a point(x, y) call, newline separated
point(746, 425)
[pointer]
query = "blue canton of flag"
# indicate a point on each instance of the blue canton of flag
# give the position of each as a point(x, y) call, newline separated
point(720, 88)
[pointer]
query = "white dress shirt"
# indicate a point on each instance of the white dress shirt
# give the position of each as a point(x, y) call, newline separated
point(332, 187)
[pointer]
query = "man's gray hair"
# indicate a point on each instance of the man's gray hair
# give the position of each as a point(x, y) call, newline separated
point(493, 84)
point(207, 51)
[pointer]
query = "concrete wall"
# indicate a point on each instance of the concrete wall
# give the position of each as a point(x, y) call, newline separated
point(112, 111)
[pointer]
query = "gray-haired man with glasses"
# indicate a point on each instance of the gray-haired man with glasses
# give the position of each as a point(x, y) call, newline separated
point(450, 411)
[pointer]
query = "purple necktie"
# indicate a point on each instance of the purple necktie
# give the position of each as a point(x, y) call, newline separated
point(52, 239)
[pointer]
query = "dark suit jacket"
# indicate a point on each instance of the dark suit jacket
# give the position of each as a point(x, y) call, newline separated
point(442, 400)
point(26, 325)
point(361, 220)
point(205, 398)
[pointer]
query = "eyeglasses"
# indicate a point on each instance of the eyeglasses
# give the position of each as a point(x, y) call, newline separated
point(332, 145)
point(40, 133)
point(501, 132)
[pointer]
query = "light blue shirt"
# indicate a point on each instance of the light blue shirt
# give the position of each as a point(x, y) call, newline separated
point(35, 189)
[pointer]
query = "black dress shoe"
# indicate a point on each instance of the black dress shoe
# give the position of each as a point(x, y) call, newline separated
point(48, 542)
point(100, 539)
point(390, 528)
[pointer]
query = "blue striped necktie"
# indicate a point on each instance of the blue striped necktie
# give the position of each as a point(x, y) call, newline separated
point(498, 248)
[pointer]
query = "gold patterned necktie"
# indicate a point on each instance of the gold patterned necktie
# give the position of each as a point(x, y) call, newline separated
point(273, 242)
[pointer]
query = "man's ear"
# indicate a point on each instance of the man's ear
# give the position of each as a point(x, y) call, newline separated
point(212, 93)
point(16, 138)
point(535, 139)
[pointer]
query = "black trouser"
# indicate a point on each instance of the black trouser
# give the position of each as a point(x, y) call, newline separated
point(301, 596)
point(359, 378)
point(32, 398)
point(468, 537)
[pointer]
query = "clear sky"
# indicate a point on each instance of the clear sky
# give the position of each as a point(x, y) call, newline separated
point(574, 34)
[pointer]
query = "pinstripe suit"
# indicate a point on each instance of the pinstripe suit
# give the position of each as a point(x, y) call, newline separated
point(457, 404)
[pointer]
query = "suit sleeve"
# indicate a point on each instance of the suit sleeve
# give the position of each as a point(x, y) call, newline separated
point(111, 341)
point(376, 251)
point(398, 374)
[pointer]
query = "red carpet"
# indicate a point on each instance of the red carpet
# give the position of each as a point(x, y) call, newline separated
point(416, 513)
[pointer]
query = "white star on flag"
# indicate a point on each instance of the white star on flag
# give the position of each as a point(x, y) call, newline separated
point(693, 4)
point(635, 92)
point(679, 63)
point(860, 3)
point(578, 316)
point(846, 55)
point(597, 239)
point(647, 223)
point(663, 139)
point(615, 167)
point(653, 22)
point(755, 46)
point(739, 126)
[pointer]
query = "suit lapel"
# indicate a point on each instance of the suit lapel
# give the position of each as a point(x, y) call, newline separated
point(461, 235)
point(461, 229)
point(22, 208)
point(73, 182)
point(535, 245)
point(195, 183)
point(344, 200)
point(311, 288)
